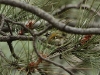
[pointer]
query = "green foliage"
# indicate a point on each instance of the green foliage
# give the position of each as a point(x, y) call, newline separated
point(88, 53)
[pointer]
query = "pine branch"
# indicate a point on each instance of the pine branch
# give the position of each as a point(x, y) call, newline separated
point(2, 21)
point(12, 50)
point(42, 14)
point(56, 64)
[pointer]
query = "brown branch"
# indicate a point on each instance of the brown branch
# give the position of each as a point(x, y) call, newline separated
point(10, 30)
point(12, 49)
point(42, 14)
point(56, 64)
point(39, 33)
point(14, 38)
point(2, 24)
point(18, 23)
point(9, 42)
point(22, 37)
point(2, 21)
point(5, 29)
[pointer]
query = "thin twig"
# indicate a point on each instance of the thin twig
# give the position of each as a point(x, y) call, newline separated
point(9, 28)
point(5, 29)
point(39, 33)
point(2, 21)
point(12, 49)
point(56, 64)
point(2, 24)
point(10, 46)
point(18, 23)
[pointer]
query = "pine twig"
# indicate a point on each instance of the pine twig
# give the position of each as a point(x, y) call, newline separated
point(2, 21)
point(12, 50)
point(56, 64)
